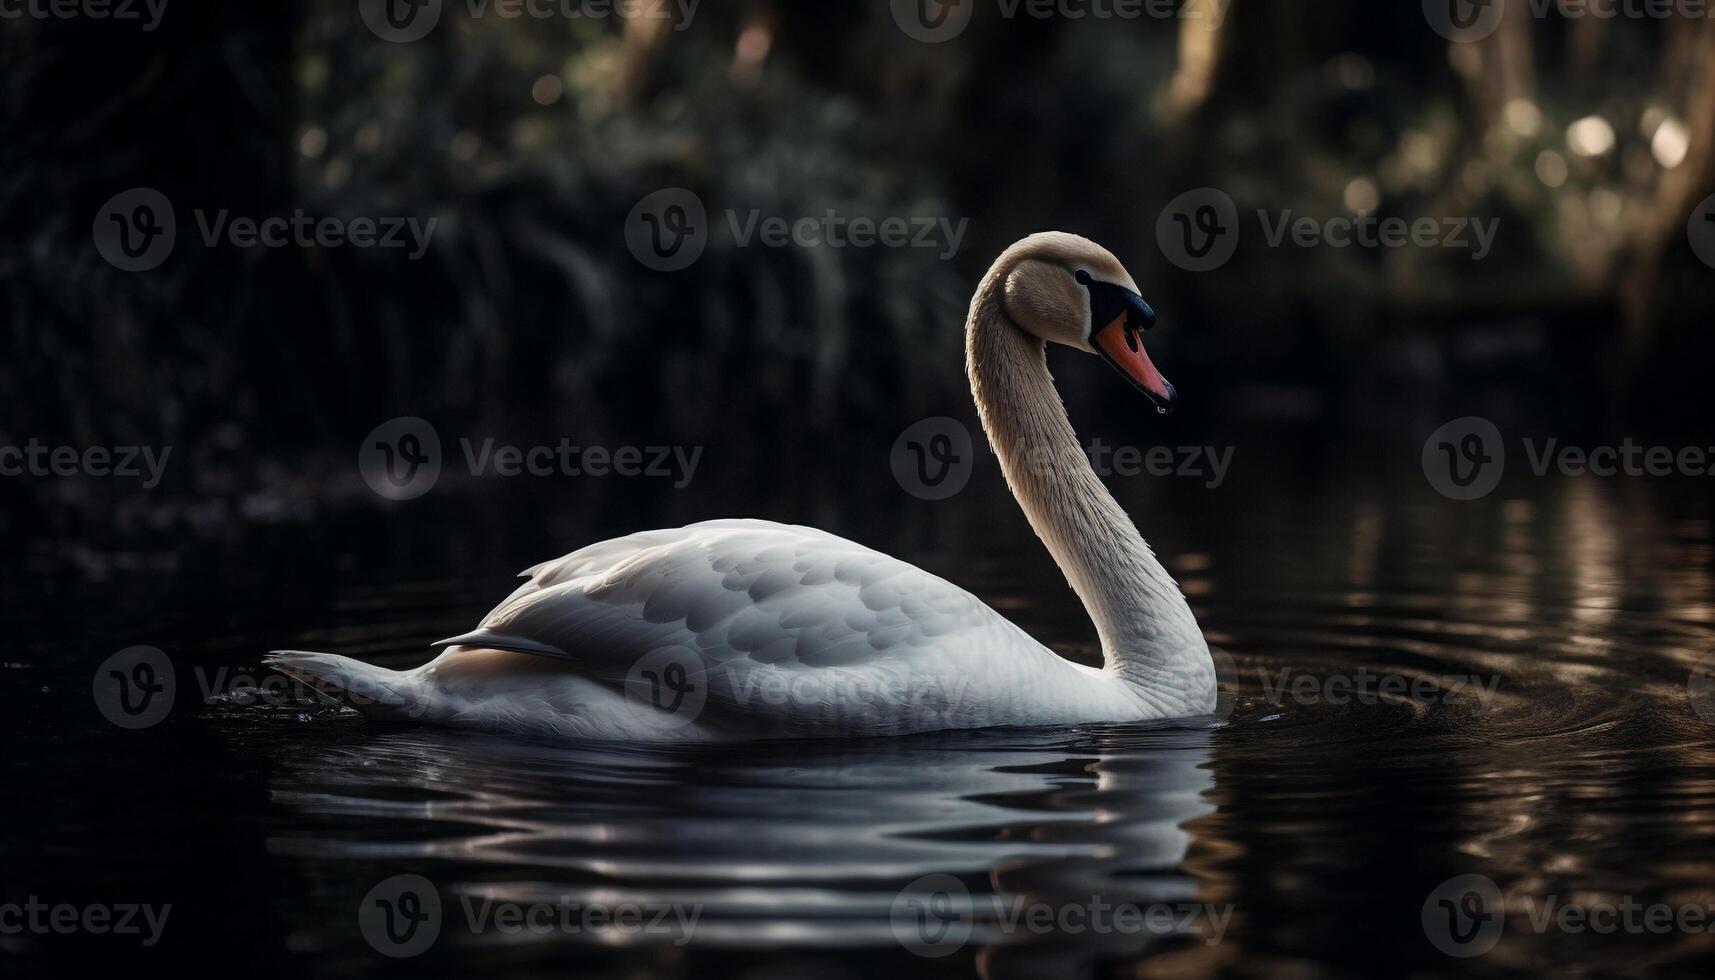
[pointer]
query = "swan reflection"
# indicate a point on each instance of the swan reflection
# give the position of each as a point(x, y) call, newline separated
point(811, 845)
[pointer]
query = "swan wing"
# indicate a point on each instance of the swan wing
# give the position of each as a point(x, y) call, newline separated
point(789, 626)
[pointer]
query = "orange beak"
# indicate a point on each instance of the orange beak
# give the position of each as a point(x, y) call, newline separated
point(1121, 344)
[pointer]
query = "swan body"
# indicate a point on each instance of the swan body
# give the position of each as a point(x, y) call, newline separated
point(751, 629)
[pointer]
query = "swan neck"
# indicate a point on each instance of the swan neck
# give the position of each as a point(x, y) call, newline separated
point(1148, 634)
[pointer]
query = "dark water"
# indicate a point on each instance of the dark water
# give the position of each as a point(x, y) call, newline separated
point(1552, 744)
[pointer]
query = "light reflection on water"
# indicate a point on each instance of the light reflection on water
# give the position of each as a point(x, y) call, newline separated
point(797, 844)
point(1576, 766)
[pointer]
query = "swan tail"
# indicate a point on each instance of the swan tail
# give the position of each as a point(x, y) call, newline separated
point(374, 692)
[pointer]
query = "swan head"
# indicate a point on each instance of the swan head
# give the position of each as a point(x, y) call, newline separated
point(1068, 290)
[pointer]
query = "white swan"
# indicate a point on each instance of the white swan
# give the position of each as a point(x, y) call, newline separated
point(750, 629)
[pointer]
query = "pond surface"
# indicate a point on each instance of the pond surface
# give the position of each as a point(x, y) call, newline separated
point(1421, 689)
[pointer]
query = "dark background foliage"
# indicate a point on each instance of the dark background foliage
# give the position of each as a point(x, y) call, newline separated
point(530, 140)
